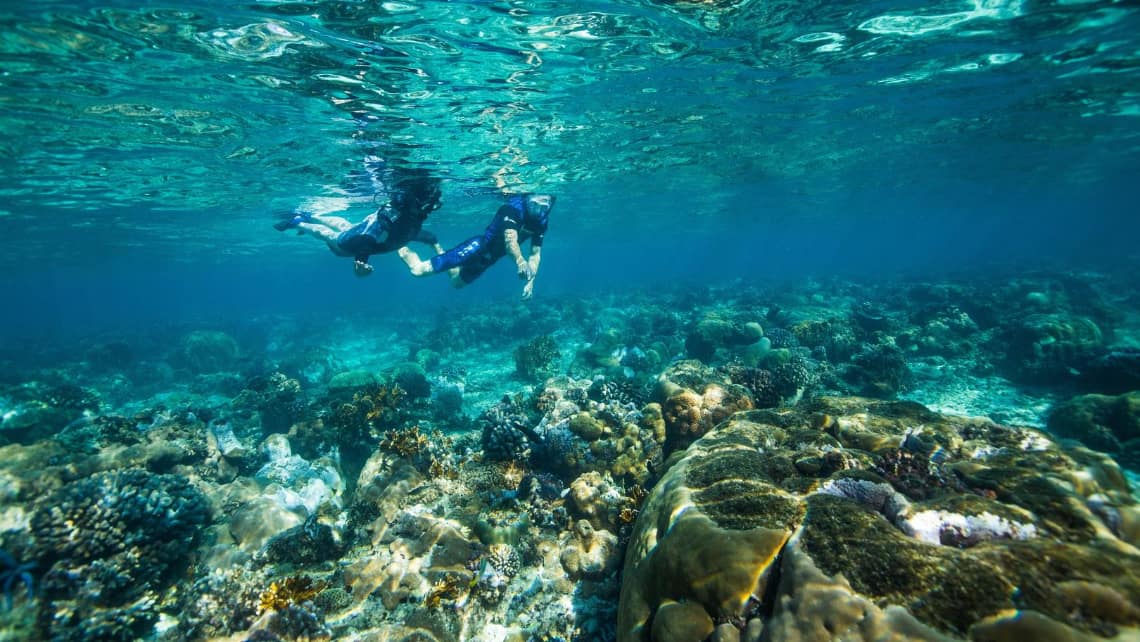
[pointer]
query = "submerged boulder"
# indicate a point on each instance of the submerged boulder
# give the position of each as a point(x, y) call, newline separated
point(207, 351)
point(791, 525)
point(1104, 422)
point(1050, 348)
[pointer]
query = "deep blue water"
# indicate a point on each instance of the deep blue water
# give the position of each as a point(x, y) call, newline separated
point(146, 151)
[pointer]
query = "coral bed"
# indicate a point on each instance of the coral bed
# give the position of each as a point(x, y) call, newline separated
point(731, 463)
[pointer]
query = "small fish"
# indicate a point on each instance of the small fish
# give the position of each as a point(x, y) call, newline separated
point(912, 442)
point(530, 433)
point(938, 455)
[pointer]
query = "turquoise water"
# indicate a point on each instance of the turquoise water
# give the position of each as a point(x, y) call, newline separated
point(936, 201)
point(175, 133)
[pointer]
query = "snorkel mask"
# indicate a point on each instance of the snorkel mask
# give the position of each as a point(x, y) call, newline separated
point(539, 206)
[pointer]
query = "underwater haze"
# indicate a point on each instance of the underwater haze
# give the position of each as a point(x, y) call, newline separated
point(836, 329)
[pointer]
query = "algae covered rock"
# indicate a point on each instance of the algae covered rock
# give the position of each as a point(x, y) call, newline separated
point(411, 378)
point(1104, 422)
point(344, 384)
point(207, 351)
point(1050, 348)
point(794, 524)
point(707, 535)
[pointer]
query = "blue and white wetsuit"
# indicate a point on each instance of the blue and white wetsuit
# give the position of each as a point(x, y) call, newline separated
point(478, 253)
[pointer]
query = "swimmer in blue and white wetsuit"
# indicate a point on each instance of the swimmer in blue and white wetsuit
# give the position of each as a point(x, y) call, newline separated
point(523, 217)
point(389, 228)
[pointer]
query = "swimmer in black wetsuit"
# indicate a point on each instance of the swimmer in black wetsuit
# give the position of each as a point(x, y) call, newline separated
point(524, 216)
point(391, 227)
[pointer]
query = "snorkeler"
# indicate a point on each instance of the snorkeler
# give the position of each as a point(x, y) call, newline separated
point(524, 216)
point(398, 222)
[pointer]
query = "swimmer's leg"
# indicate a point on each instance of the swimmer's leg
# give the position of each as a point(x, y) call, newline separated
point(416, 265)
point(335, 223)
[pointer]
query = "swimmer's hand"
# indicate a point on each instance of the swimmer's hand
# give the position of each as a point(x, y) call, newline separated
point(525, 273)
point(361, 269)
point(528, 290)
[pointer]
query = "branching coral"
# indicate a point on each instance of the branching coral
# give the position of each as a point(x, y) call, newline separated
point(290, 591)
point(449, 587)
point(406, 442)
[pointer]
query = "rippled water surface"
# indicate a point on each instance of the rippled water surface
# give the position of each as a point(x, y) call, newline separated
point(118, 121)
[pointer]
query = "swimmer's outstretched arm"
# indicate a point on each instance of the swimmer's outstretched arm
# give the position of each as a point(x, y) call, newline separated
point(527, 269)
point(511, 240)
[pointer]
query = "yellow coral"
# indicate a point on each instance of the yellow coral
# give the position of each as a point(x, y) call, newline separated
point(513, 474)
point(442, 469)
point(448, 587)
point(405, 442)
point(292, 590)
point(377, 399)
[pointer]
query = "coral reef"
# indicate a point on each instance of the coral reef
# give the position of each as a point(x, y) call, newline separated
point(716, 533)
point(503, 429)
point(406, 484)
point(1044, 348)
point(688, 414)
point(110, 544)
point(537, 360)
point(1107, 423)
point(879, 371)
point(277, 400)
point(207, 351)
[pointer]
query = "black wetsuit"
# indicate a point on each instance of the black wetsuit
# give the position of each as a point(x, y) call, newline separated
point(478, 253)
point(382, 231)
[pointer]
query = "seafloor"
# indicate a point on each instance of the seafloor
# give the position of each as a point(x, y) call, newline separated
point(809, 461)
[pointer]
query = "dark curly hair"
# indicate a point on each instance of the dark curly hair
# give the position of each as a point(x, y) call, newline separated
point(415, 191)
